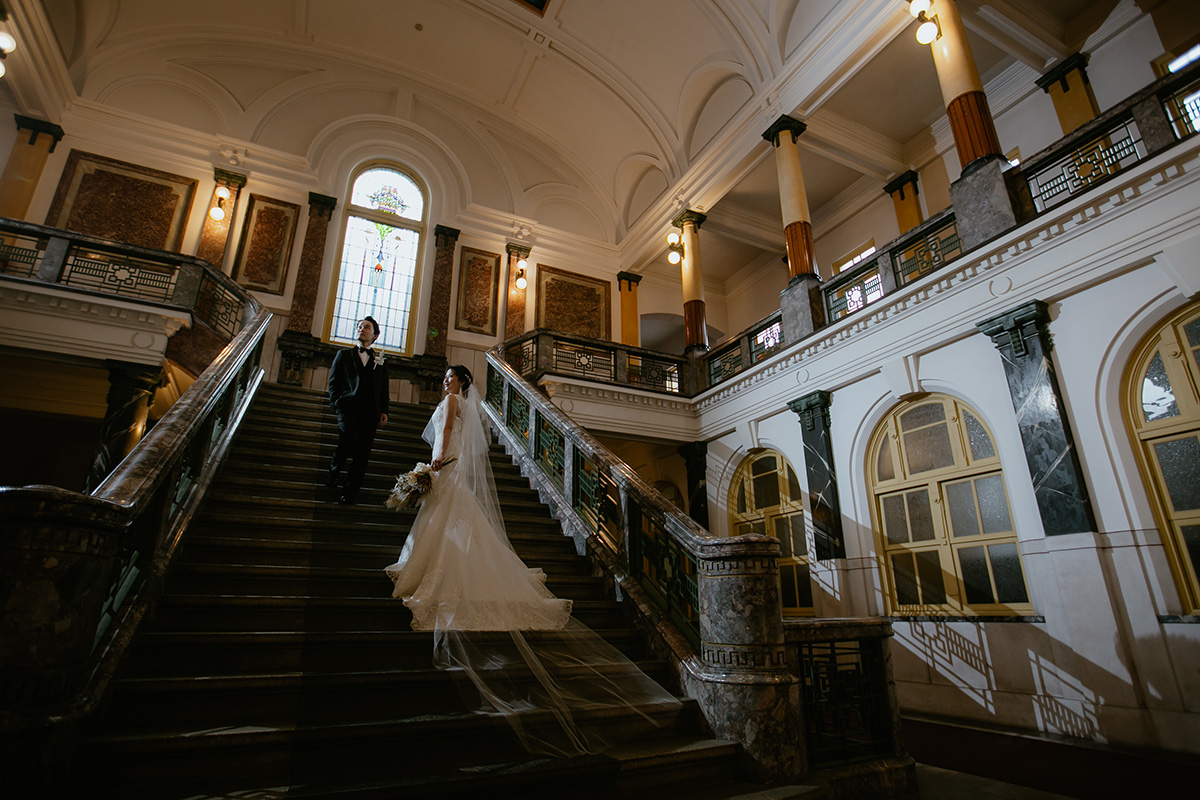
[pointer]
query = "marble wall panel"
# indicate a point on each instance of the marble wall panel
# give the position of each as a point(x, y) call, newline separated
point(573, 303)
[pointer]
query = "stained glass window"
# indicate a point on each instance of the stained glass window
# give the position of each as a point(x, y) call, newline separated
point(380, 250)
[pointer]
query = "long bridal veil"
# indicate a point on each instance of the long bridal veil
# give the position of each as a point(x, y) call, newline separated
point(562, 687)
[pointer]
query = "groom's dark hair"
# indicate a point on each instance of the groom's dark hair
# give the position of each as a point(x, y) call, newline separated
point(374, 325)
point(464, 377)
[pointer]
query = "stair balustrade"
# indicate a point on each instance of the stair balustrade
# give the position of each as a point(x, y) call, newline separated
point(710, 603)
point(79, 572)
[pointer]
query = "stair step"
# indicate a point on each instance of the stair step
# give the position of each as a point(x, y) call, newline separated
point(225, 757)
point(192, 653)
point(245, 613)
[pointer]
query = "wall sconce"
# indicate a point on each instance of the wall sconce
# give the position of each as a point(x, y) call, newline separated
point(930, 29)
point(217, 212)
point(674, 248)
point(521, 282)
point(7, 45)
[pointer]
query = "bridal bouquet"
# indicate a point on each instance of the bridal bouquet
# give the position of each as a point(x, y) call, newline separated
point(411, 487)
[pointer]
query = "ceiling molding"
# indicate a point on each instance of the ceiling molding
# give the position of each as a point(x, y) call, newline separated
point(1031, 34)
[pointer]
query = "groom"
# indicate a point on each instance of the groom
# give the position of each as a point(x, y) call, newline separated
point(358, 392)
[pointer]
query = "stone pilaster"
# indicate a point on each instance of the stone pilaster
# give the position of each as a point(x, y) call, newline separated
point(988, 201)
point(514, 314)
point(1022, 336)
point(445, 239)
point(903, 190)
point(1071, 92)
point(25, 163)
point(813, 410)
point(131, 390)
point(695, 456)
point(214, 237)
point(312, 257)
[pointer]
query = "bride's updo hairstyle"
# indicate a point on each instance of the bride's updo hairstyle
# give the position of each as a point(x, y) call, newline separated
point(464, 377)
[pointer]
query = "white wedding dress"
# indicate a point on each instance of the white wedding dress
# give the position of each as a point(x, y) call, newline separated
point(457, 570)
point(556, 682)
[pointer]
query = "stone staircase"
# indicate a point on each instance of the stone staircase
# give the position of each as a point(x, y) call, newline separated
point(276, 664)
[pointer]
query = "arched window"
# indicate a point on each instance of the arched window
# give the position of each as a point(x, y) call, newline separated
point(1164, 408)
point(765, 498)
point(941, 513)
point(381, 248)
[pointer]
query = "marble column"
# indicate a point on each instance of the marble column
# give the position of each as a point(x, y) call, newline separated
point(1071, 92)
point(631, 323)
point(214, 236)
point(793, 199)
point(903, 190)
point(131, 390)
point(826, 511)
point(445, 238)
point(36, 140)
point(1022, 336)
point(514, 313)
point(695, 456)
point(695, 327)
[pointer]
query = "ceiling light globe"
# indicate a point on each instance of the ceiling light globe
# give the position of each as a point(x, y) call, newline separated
point(673, 257)
point(672, 238)
point(917, 7)
point(522, 264)
point(216, 213)
point(521, 282)
point(2, 69)
point(223, 192)
point(928, 32)
point(7, 42)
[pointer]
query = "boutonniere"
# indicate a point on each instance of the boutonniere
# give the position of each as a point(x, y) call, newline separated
point(379, 358)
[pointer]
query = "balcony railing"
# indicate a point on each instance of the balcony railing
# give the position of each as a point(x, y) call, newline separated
point(1126, 134)
point(544, 352)
point(111, 549)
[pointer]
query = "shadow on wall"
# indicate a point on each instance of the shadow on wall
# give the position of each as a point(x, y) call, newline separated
point(664, 333)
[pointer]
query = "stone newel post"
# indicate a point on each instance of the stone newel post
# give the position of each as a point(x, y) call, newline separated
point(748, 689)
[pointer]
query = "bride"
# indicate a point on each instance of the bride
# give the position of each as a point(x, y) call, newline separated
point(556, 681)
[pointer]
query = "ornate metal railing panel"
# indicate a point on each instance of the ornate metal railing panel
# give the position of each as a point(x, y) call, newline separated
point(846, 682)
point(1183, 109)
point(936, 246)
point(20, 254)
point(1117, 148)
point(584, 361)
point(660, 374)
point(113, 273)
point(667, 569)
point(853, 290)
point(518, 415)
point(219, 305)
point(550, 450)
point(765, 341)
point(725, 363)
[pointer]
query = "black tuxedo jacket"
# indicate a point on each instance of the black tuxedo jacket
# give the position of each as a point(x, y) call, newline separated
point(357, 389)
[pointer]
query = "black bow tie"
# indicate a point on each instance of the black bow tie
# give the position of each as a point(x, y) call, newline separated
point(364, 349)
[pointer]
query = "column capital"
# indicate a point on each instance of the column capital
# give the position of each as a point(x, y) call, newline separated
point(322, 201)
point(631, 277)
point(693, 450)
point(1059, 72)
point(784, 124)
point(810, 405)
point(440, 231)
point(902, 180)
point(228, 178)
point(518, 250)
point(36, 126)
point(686, 216)
point(1012, 329)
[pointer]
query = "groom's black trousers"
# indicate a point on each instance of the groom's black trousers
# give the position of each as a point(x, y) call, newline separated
point(356, 434)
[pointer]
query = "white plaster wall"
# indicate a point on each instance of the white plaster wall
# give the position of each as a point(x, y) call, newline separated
point(877, 221)
point(1121, 66)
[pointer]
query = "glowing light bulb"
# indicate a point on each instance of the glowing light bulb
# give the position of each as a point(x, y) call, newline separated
point(223, 192)
point(521, 282)
point(674, 257)
point(522, 264)
point(918, 7)
point(672, 238)
point(2, 69)
point(928, 32)
point(7, 42)
point(216, 213)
